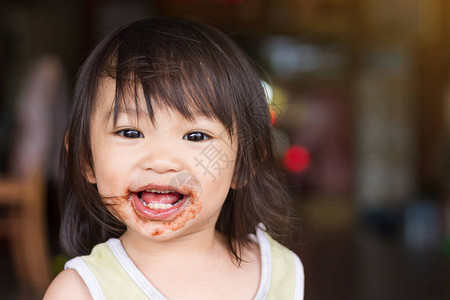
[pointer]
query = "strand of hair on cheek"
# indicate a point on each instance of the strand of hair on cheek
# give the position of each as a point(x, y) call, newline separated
point(116, 200)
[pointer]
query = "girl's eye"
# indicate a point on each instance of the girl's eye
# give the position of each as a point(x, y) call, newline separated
point(130, 133)
point(196, 137)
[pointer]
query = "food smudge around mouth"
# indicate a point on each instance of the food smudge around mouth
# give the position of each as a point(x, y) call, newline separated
point(188, 211)
point(113, 202)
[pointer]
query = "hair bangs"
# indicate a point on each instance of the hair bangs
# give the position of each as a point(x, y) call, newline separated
point(172, 74)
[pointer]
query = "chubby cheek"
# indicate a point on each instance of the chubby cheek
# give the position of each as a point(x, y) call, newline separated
point(111, 171)
point(123, 208)
point(112, 187)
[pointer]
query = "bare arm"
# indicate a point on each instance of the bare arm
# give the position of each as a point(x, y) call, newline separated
point(67, 285)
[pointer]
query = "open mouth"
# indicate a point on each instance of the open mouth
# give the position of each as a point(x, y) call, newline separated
point(160, 199)
point(157, 202)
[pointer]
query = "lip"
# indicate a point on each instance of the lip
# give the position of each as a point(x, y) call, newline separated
point(159, 214)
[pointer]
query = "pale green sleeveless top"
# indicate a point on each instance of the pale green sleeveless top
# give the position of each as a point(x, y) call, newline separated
point(110, 274)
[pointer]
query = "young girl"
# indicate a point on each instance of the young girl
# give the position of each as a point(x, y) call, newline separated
point(170, 189)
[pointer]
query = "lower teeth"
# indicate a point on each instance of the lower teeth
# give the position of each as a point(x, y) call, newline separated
point(159, 205)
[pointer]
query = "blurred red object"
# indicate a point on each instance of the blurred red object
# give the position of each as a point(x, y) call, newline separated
point(296, 159)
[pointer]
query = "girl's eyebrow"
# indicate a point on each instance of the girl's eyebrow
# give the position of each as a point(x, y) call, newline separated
point(124, 110)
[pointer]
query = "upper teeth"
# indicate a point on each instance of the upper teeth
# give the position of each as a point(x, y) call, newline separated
point(159, 191)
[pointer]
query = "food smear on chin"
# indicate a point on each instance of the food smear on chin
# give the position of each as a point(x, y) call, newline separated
point(188, 213)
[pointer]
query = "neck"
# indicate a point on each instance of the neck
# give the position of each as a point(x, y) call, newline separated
point(202, 243)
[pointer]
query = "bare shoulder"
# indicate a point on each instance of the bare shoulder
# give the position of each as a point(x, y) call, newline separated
point(67, 285)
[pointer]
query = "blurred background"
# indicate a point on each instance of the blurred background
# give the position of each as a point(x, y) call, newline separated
point(360, 101)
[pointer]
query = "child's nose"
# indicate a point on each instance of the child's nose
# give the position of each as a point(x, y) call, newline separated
point(161, 165)
point(161, 159)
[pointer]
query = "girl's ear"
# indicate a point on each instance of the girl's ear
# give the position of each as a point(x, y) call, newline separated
point(90, 175)
point(236, 183)
point(89, 172)
point(235, 180)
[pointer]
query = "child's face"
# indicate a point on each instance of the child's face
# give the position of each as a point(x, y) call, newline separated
point(165, 179)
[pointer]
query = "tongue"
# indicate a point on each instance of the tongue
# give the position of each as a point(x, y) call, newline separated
point(168, 198)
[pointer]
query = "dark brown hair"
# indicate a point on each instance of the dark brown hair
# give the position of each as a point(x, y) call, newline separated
point(194, 69)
